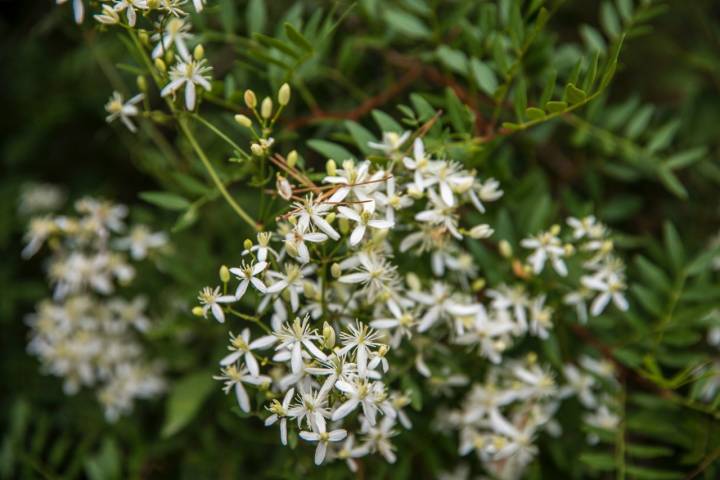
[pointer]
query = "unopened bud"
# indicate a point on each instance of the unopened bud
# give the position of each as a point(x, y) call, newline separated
point(243, 120)
point(481, 231)
point(199, 52)
point(250, 98)
point(532, 358)
point(224, 274)
point(478, 284)
point(284, 94)
point(413, 281)
point(328, 336)
point(197, 311)
point(569, 249)
point(141, 83)
point(335, 270)
point(169, 56)
point(309, 289)
point(344, 225)
point(555, 229)
point(144, 37)
point(330, 217)
point(292, 159)
point(160, 65)
point(331, 167)
point(247, 244)
point(257, 149)
point(505, 248)
point(266, 107)
point(291, 248)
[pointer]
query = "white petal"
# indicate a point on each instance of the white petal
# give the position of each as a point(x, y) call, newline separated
point(190, 95)
point(242, 397)
point(232, 358)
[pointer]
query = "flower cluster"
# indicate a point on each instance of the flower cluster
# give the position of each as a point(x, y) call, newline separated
point(83, 334)
point(501, 418)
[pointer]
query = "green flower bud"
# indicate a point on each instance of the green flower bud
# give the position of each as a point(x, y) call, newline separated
point(224, 274)
point(335, 270)
point(505, 248)
point(331, 167)
point(197, 311)
point(284, 94)
point(160, 65)
point(247, 244)
point(292, 159)
point(266, 107)
point(243, 120)
point(250, 99)
point(328, 336)
point(141, 83)
point(199, 52)
point(257, 149)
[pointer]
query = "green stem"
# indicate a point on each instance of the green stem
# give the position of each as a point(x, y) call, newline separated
point(220, 134)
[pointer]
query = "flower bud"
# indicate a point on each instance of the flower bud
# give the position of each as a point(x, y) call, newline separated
point(292, 159)
point(160, 65)
point(309, 289)
point(169, 56)
point(141, 83)
point(555, 229)
point(283, 187)
point(344, 225)
point(243, 120)
point(505, 249)
point(198, 52)
point(144, 37)
point(328, 336)
point(331, 168)
point(335, 270)
point(224, 274)
point(250, 99)
point(291, 248)
point(481, 231)
point(284, 94)
point(569, 249)
point(478, 284)
point(413, 281)
point(198, 311)
point(266, 107)
point(257, 149)
point(330, 217)
point(532, 358)
point(247, 244)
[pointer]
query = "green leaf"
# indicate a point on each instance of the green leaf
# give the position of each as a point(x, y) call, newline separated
point(600, 461)
point(646, 473)
point(167, 200)
point(256, 16)
point(453, 59)
point(297, 38)
point(639, 122)
point(277, 44)
point(105, 465)
point(574, 95)
point(484, 76)
point(609, 20)
point(663, 137)
point(227, 15)
point(671, 182)
point(534, 113)
point(330, 150)
point(361, 136)
point(422, 106)
point(685, 158)
point(406, 23)
point(673, 246)
point(386, 122)
point(456, 111)
point(185, 400)
point(556, 106)
point(593, 39)
point(653, 274)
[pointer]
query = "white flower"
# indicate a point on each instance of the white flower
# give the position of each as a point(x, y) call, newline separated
point(364, 219)
point(362, 393)
point(78, 9)
point(520, 444)
point(401, 322)
point(488, 191)
point(109, 16)
point(140, 240)
point(420, 164)
point(292, 280)
point(199, 4)
point(176, 32)
point(234, 378)
point(188, 73)
point(391, 143)
point(323, 438)
point(375, 273)
point(211, 299)
point(262, 248)
point(540, 317)
point(378, 438)
point(247, 275)
point(354, 179)
point(580, 384)
point(308, 211)
point(349, 452)
point(449, 178)
point(280, 412)
point(243, 347)
point(547, 246)
point(294, 337)
point(295, 242)
point(610, 287)
point(129, 6)
point(360, 339)
point(586, 227)
point(392, 201)
point(312, 408)
point(440, 213)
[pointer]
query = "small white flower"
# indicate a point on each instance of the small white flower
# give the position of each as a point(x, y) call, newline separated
point(547, 246)
point(234, 379)
point(391, 143)
point(364, 219)
point(176, 32)
point(360, 338)
point(140, 241)
point(247, 275)
point(489, 191)
point(294, 337)
point(243, 347)
point(308, 211)
point(323, 438)
point(130, 7)
point(295, 242)
point(117, 108)
point(280, 412)
point(610, 287)
point(188, 73)
point(211, 299)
